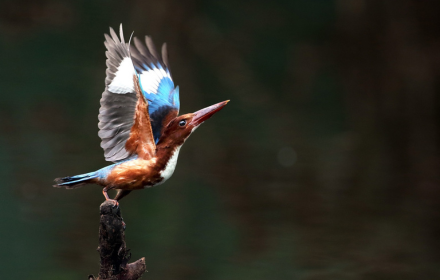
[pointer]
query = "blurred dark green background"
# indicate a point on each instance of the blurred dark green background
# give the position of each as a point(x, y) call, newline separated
point(324, 165)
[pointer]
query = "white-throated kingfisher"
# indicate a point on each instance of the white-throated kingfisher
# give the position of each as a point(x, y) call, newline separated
point(138, 120)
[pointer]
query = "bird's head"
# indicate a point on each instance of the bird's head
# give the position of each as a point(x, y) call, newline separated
point(181, 127)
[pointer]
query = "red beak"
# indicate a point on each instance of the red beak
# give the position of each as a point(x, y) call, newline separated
point(202, 115)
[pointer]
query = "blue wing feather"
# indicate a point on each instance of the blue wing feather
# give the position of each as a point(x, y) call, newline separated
point(165, 88)
point(156, 84)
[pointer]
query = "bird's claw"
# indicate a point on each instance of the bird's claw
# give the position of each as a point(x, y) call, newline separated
point(114, 202)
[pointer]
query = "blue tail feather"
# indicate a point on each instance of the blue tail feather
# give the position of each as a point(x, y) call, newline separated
point(76, 181)
point(71, 182)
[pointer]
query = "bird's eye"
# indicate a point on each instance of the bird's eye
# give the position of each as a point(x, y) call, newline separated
point(182, 123)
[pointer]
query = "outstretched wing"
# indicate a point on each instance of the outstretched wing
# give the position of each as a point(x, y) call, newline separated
point(156, 84)
point(124, 123)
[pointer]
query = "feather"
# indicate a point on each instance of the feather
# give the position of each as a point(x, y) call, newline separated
point(156, 82)
point(151, 47)
point(165, 57)
point(118, 102)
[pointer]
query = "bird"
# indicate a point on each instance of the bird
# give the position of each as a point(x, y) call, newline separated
point(139, 124)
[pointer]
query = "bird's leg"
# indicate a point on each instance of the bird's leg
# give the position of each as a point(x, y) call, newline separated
point(104, 192)
point(114, 201)
point(121, 193)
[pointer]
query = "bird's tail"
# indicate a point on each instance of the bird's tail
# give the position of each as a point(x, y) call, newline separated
point(72, 182)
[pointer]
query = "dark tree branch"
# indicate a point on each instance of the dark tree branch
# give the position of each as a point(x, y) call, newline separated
point(112, 249)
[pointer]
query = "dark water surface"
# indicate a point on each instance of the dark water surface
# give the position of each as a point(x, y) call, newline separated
point(324, 165)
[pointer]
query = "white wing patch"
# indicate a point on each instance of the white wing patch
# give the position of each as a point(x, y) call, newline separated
point(123, 81)
point(150, 79)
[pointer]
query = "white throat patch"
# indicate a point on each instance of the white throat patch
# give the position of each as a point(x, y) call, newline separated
point(171, 165)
